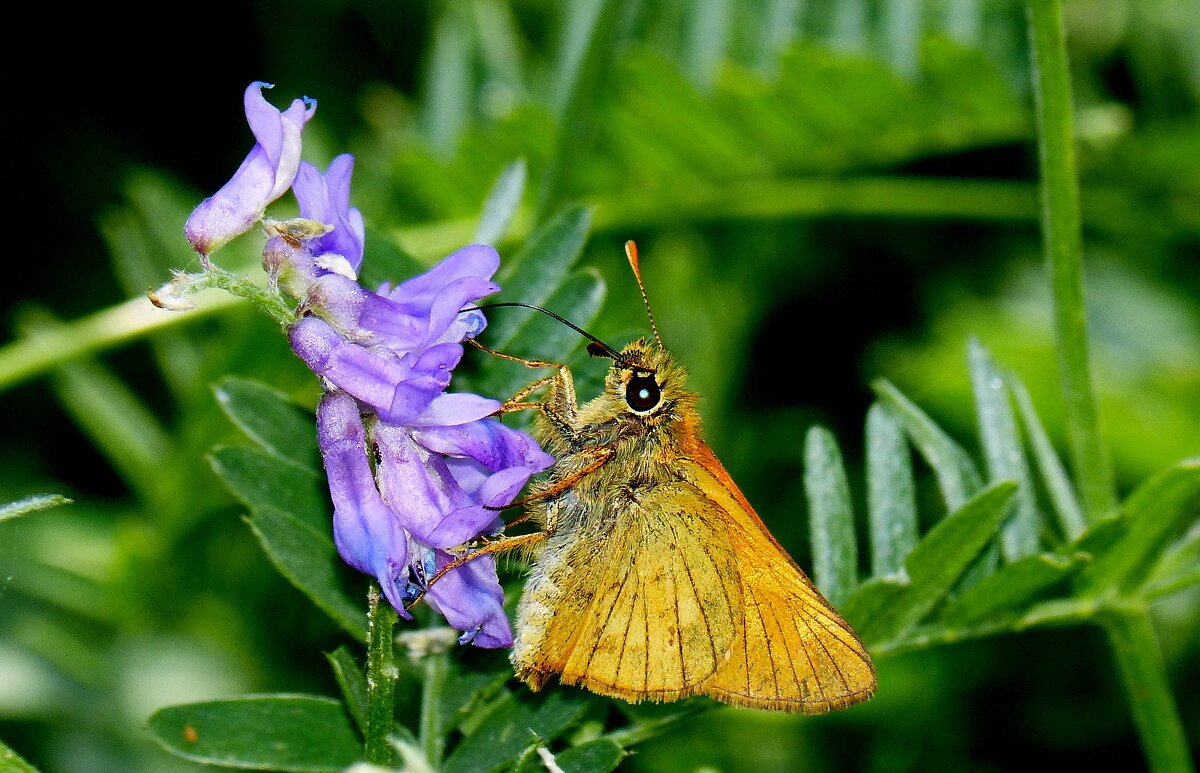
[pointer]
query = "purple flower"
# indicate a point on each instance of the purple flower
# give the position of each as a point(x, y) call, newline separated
point(265, 174)
point(326, 199)
point(367, 535)
point(442, 467)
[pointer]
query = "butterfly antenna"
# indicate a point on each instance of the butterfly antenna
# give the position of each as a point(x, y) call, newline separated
point(631, 252)
point(596, 348)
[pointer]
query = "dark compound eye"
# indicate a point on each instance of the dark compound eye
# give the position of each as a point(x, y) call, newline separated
point(642, 393)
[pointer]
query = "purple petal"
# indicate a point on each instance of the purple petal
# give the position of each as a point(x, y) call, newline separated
point(474, 260)
point(387, 383)
point(267, 171)
point(471, 599)
point(326, 199)
point(424, 494)
point(367, 535)
point(457, 408)
point(491, 443)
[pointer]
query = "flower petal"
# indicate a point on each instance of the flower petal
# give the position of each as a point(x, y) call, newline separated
point(367, 534)
point(265, 174)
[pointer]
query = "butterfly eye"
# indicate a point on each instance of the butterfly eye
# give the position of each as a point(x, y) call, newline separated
point(642, 393)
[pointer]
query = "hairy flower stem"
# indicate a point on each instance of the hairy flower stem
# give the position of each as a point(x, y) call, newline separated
point(381, 679)
point(1063, 246)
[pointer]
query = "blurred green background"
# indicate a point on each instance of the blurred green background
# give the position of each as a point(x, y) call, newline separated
point(823, 194)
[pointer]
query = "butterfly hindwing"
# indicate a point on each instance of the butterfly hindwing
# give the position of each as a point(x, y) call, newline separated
point(661, 600)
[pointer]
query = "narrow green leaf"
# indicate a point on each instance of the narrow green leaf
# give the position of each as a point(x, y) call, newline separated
point(581, 296)
point(262, 480)
point(301, 733)
point(708, 31)
point(891, 495)
point(270, 419)
point(501, 204)
point(1011, 590)
point(449, 85)
point(307, 558)
point(511, 726)
point(956, 475)
point(877, 608)
point(1054, 475)
point(11, 762)
point(538, 270)
point(1153, 515)
point(1003, 452)
point(32, 505)
point(591, 29)
point(119, 423)
point(886, 610)
point(353, 684)
point(830, 516)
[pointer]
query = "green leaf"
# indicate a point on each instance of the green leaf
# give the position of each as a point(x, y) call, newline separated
point(352, 682)
point(307, 558)
point(119, 422)
point(831, 516)
point(11, 762)
point(1011, 590)
point(511, 726)
point(1062, 492)
point(1153, 515)
point(387, 262)
point(502, 203)
point(596, 756)
point(465, 690)
point(539, 337)
point(885, 610)
point(262, 480)
point(956, 475)
point(891, 495)
point(302, 733)
point(270, 419)
point(538, 270)
point(1003, 452)
point(32, 505)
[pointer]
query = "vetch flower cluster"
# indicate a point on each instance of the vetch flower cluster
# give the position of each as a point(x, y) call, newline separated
point(414, 471)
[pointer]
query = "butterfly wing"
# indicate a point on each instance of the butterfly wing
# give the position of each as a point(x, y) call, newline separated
point(648, 613)
point(793, 652)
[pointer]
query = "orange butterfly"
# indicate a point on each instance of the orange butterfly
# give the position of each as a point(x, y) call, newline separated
point(654, 579)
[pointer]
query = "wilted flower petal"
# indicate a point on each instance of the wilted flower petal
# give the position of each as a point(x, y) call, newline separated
point(265, 174)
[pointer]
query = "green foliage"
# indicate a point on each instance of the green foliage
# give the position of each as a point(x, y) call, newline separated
point(844, 191)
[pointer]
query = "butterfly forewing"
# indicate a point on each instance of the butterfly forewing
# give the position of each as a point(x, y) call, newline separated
point(794, 652)
point(662, 602)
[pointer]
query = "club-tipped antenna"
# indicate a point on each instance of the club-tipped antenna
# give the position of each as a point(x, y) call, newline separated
point(631, 252)
point(596, 348)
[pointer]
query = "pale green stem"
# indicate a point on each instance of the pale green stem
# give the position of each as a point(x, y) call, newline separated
point(1063, 246)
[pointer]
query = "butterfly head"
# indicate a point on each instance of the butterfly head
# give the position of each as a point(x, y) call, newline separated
point(645, 381)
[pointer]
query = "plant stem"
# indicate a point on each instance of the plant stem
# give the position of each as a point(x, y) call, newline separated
point(432, 734)
point(1154, 712)
point(381, 679)
point(1063, 246)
